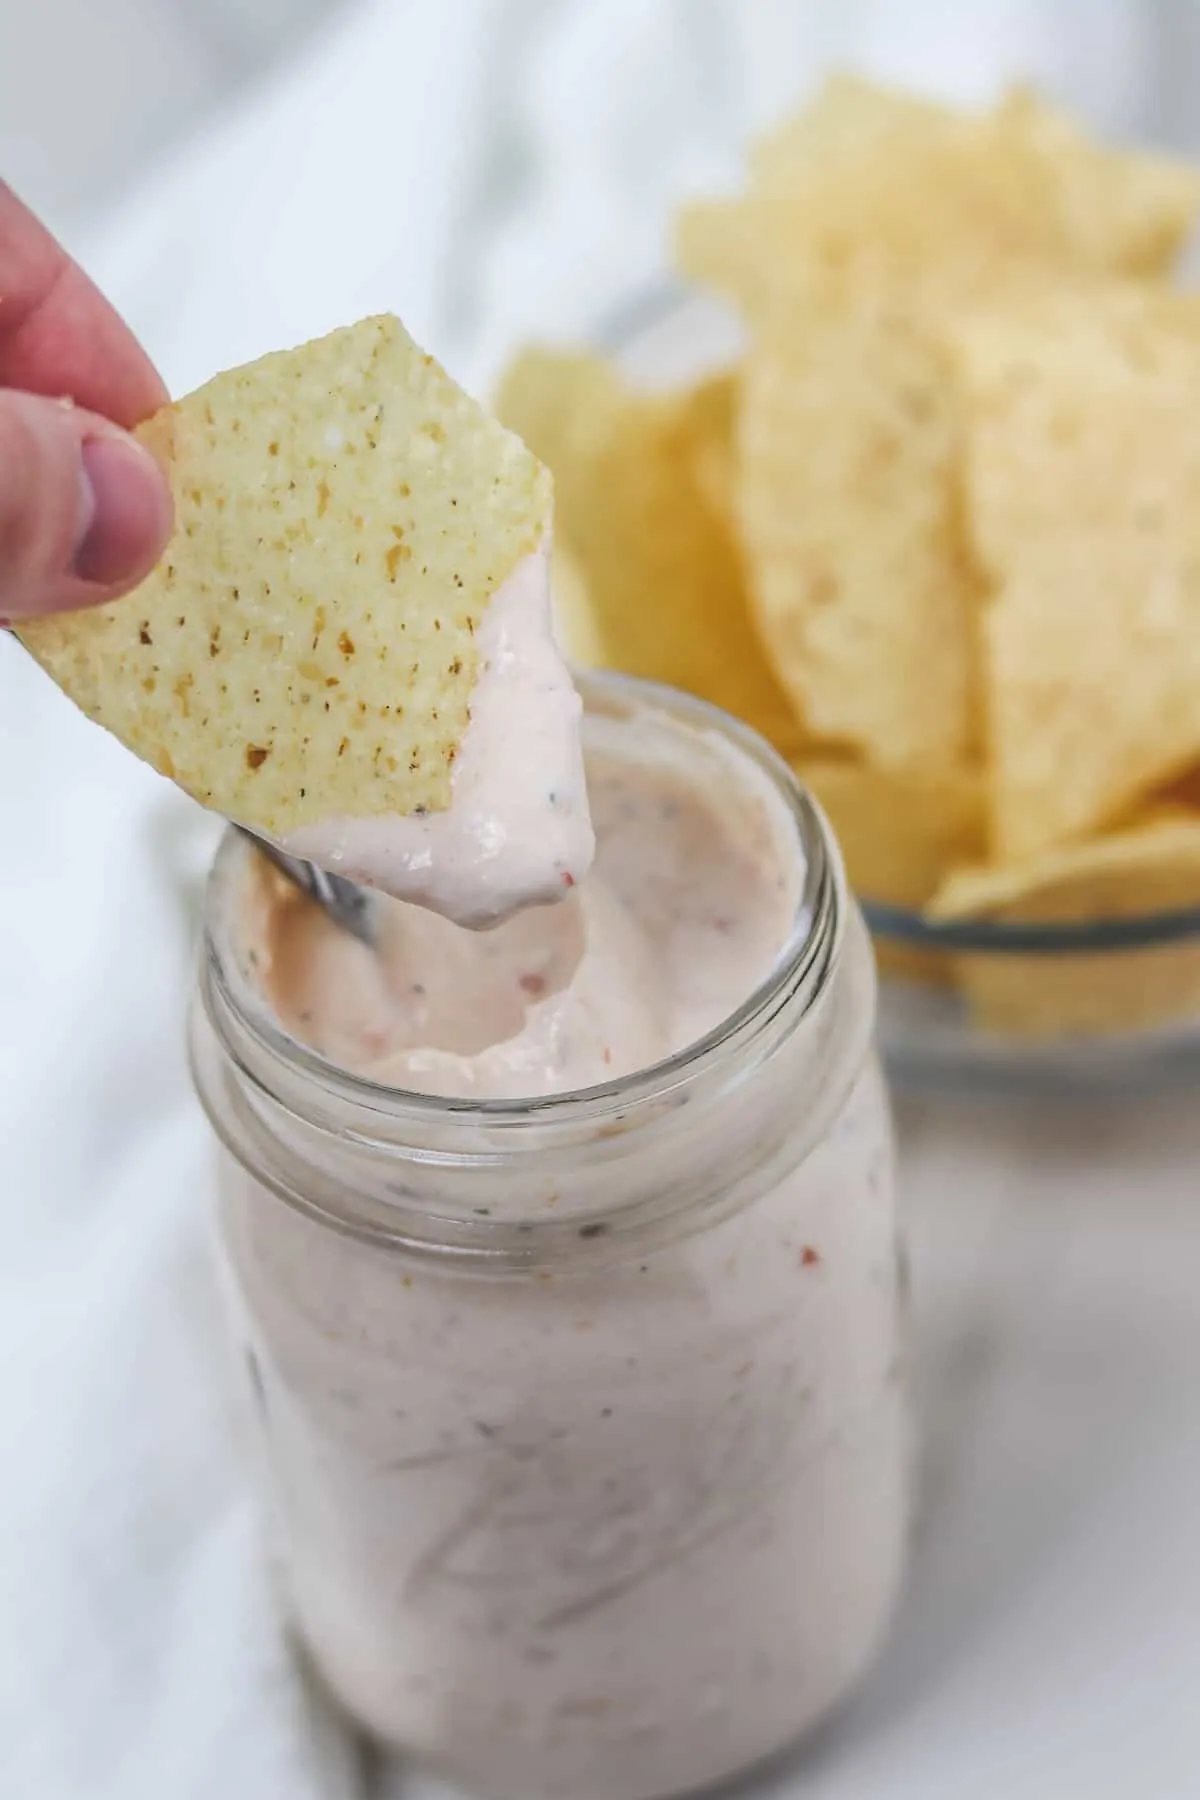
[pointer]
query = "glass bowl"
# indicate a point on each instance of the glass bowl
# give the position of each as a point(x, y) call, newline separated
point(1075, 975)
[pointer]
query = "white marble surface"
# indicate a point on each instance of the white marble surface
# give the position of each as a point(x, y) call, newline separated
point(1050, 1642)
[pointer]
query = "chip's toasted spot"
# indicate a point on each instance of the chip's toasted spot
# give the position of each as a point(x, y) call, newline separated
point(300, 557)
point(256, 756)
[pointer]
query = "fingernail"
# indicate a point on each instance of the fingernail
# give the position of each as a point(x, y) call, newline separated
point(124, 511)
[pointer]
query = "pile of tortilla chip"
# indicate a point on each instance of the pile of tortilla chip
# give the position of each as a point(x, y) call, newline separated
point(937, 533)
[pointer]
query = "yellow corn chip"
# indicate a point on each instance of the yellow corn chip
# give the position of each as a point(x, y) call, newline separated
point(1083, 496)
point(946, 223)
point(709, 427)
point(344, 514)
point(1182, 791)
point(1151, 866)
point(900, 836)
point(849, 120)
point(549, 397)
point(661, 573)
point(849, 443)
point(1125, 211)
point(917, 201)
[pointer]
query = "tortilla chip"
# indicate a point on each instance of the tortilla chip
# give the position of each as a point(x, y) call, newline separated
point(1149, 867)
point(849, 120)
point(661, 573)
point(549, 396)
point(900, 836)
point(344, 514)
point(1182, 790)
point(849, 441)
point(922, 230)
point(903, 197)
point(709, 425)
point(1124, 211)
point(1083, 498)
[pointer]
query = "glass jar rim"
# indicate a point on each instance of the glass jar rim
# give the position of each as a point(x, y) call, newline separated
point(383, 1114)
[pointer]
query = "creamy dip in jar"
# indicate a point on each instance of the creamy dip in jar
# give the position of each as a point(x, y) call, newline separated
point(564, 1261)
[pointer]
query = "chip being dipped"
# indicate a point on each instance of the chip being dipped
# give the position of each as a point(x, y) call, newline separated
point(347, 644)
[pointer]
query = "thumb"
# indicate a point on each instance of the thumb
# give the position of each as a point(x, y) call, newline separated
point(85, 511)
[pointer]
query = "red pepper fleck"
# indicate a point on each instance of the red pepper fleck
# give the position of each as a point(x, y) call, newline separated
point(809, 1257)
point(568, 879)
point(532, 985)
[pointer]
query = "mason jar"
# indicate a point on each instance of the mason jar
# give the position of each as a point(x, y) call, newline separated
point(582, 1420)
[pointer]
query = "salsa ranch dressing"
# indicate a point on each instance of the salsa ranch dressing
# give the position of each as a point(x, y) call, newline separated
point(624, 1511)
point(517, 830)
point(691, 896)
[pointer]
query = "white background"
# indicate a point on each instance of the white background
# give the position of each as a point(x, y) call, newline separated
point(239, 176)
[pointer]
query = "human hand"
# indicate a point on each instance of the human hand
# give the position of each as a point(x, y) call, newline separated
point(84, 510)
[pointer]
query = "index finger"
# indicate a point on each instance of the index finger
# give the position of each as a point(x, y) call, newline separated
point(58, 334)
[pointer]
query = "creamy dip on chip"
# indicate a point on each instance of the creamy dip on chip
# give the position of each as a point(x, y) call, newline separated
point(517, 831)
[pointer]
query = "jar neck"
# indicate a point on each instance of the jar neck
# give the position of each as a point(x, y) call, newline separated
point(526, 1181)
